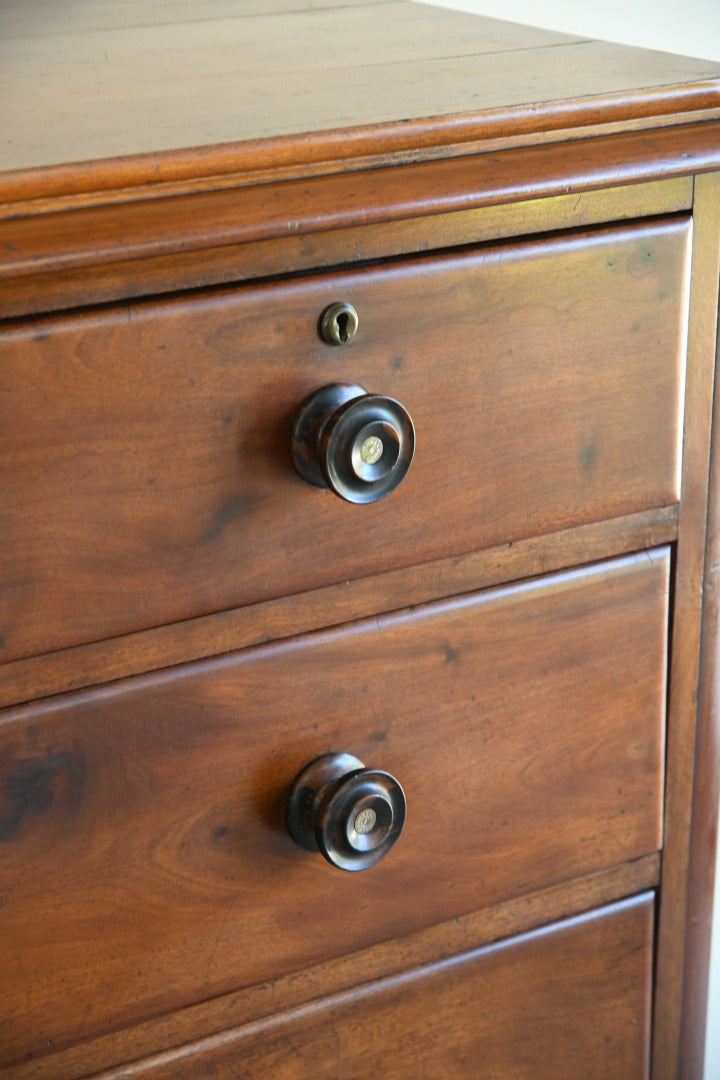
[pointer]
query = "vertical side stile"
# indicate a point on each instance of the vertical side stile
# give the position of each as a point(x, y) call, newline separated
point(706, 786)
point(674, 908)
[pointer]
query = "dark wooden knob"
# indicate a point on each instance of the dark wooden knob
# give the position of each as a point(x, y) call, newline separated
point(359, 445)
point(350, 814)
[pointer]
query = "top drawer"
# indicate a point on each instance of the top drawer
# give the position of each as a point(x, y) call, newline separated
point(146, 475)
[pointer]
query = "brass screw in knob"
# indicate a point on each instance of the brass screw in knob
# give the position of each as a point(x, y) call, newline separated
point(350, 814)
point(357, 444)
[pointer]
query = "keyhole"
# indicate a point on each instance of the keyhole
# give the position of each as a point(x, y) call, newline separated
point(338, 324)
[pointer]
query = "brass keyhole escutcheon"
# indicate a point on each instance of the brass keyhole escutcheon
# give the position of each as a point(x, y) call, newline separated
point(339, 323)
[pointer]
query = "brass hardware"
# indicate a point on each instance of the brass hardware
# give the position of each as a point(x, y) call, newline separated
point(350, 814)
point(357, 444)
point(371, 450)
point(365, 821)
point(339, 323)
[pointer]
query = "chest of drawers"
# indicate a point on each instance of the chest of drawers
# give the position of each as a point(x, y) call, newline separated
point(356, 394)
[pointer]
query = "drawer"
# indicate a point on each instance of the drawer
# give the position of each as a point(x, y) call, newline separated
point(144, 457)
point(498, 1012)
point(145, 859)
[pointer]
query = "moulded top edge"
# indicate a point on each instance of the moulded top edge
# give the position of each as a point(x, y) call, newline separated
point(175, 97)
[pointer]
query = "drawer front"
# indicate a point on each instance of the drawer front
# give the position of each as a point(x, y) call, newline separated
point(566, 1002)
point(144, 457)
point(145, 859)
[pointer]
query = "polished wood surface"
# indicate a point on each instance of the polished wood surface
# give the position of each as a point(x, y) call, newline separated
point(703, 837)
point(73, 258)
point(181, 186)
point(495, 1013)
point(211, 635)
point(139, 461)
point(686, 630)
point(155, 806)
point(242, 1007)
point(142, 83)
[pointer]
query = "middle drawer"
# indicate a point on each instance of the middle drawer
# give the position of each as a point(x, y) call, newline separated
point(525, 723)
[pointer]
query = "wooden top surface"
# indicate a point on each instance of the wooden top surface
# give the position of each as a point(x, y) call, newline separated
point(265, 83)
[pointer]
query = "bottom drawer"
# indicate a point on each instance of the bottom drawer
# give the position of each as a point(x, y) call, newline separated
point(570, 1000)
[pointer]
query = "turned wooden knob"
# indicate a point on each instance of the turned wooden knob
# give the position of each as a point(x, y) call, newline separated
point(357, 444)
point(350, 814)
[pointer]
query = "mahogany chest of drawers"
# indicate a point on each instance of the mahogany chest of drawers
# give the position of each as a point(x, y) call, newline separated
point(356, 391)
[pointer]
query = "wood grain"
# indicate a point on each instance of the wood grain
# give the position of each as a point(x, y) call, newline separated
point(192, 82)
point(74, 17)
point(83, 257)
point(153, 910)
point(141, 462)
point(155, 806)
point(702, 877)
point(541, 165)
point(152, 229)
point(686, 626)
point(428, 946)
point(497, 1012)
point(210, 635)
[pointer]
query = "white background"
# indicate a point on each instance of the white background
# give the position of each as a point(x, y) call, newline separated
point(691, 28)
